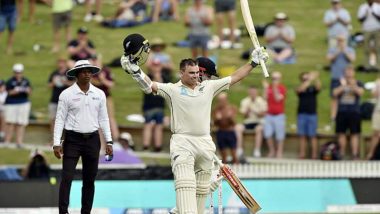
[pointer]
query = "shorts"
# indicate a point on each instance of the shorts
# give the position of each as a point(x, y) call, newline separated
point(348, 121)
point(226, 139)
point(199, 41)
point(224, 6)
point(155, 115)
point(307, 125)
point(61, 20)
point(250, 126)
point(10, 18)
point(52, 110)
point(376, 120)
point(334, 84)
point(17, 113)
point(275, 125)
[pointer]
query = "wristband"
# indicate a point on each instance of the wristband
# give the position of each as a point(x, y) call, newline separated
point(253, 64)
point(110, 143)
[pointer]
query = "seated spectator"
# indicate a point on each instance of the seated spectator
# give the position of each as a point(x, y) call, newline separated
point(80, 48)
point(17, 105)
point(38, 168)
point(275, 119)
point(198, 19)
point(375, 121)
point(348, 118)
point(339, 57)
point(128, 14)
point(165, 10)
point(3, 96)
point(338, 20)
point(158, 60)
point(253, 108)
point(307, 121)
point(224, 115)
point(280, 37)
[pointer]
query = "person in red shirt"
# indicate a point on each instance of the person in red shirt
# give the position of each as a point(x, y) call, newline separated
point(274, 125)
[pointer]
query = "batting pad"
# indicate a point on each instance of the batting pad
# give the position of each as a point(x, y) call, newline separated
point(203, 188)
point(184, 177)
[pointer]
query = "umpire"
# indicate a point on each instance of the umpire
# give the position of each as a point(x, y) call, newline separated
point(81, 112)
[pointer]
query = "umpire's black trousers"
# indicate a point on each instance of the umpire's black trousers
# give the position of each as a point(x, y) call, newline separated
point(78, 145)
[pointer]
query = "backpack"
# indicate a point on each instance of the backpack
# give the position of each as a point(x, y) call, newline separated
point(330, 151)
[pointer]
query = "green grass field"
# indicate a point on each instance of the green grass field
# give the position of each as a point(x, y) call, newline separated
point(310, 45)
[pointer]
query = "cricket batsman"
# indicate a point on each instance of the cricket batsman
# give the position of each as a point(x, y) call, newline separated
point(191, 145)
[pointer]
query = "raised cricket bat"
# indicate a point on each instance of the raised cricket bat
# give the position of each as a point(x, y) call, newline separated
point(238, 187)
point(251, 30)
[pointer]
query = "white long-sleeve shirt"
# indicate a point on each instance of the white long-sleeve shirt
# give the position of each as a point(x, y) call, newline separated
point(81, 112)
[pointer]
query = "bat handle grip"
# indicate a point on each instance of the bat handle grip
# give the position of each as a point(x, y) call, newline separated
point(264, 67)
point(218, 161)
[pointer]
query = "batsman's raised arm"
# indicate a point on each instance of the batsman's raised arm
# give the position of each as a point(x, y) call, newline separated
point(256, 55)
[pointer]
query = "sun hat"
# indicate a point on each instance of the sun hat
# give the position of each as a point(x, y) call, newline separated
point(281, 16)
point(82, 64)
point(18, 67)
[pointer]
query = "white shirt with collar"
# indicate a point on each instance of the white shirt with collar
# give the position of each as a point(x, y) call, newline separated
point(191, 109)
point(81, 112)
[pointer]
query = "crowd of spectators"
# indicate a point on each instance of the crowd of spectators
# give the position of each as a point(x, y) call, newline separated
point(263, 113)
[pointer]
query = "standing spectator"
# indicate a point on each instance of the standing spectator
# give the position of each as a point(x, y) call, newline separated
point(80, 48)
point(165, 10)
point(375, 121)
point(253, 108)
point(338, 21)
point(226, 8)
point(198, 18)
point(8, 16)
point(275, 120)
point(3, 96)
point(369, 15)
point(58, 81)
point(93, 15)
point(339, 57)
point(224, 115)
point(17, 105)
point(348, 94)
point(280, 37)
point(20, 9)
point(82, 110)
point(104, 80)
point(159, 61)
point(307, 121)
point(62, 16)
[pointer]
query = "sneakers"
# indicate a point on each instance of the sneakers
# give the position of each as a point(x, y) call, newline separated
point(256, 153)
point(96, 17)
point(88, 17)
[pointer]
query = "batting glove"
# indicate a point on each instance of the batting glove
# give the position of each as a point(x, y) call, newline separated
point(257, 55)
point(215, 184)
point(128, 66)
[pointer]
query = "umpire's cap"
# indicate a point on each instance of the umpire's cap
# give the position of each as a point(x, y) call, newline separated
point(82, 64)
point(133, 43)
point(207, 66)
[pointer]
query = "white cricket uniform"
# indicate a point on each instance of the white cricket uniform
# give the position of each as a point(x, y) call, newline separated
point(191, 145)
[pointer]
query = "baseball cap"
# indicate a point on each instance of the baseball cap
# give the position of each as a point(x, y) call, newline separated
point(2, 82)
point(207, 66)
point(18, 67)
point(83, 30)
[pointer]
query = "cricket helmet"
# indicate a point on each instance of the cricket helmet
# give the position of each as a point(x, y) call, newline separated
point(136, 47)
point(206, 68)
